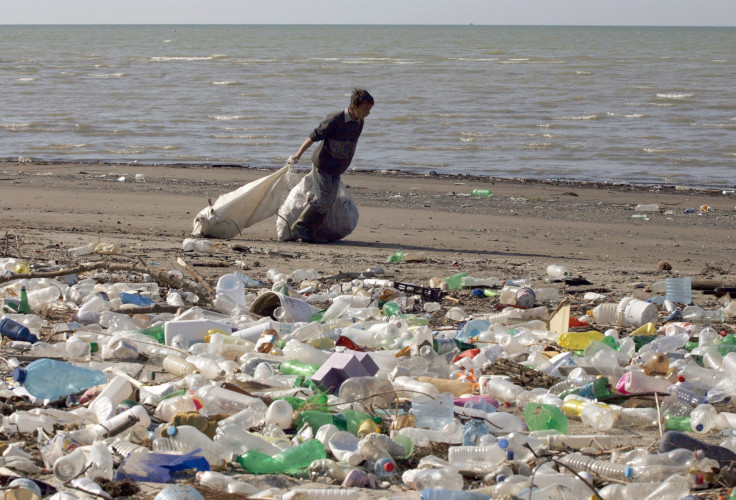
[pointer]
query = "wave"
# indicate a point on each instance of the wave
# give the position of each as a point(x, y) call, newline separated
point(225, 82)
point(14, 127)
point(229, 117)
point(182, 58)
point(26, 79)
point(60, 147)
point(575, 117)
point(675, 95)
point(105, 75)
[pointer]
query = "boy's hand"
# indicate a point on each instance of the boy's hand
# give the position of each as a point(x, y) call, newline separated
point(293, 160)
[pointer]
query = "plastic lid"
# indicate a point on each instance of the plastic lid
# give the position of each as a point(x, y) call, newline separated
point(19, 375)
point(510, 455)
point(629, 472)
point(699, 427)
point(389, 466)
point(172, 431)
point(503, 443)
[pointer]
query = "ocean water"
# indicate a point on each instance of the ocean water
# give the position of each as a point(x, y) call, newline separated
point(615, 104)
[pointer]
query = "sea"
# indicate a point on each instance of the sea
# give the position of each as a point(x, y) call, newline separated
point(632, 105)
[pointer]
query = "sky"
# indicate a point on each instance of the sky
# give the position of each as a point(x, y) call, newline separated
point(480, 12)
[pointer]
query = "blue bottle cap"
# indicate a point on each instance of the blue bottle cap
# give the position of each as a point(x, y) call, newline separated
point(172, 431)
point(503, 443)
point(629, 472)
point(510, 455)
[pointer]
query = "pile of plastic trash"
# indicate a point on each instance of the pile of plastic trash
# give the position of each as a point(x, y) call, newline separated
point(365, 384)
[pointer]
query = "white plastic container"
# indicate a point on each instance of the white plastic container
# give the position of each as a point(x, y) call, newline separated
point(280, 414)
point(233, 287)
point(628, 312)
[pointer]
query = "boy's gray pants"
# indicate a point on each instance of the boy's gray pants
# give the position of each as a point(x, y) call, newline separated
point(325, 191)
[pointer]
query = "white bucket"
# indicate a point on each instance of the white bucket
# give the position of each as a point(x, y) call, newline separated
point(635, 312)
point(296, 310)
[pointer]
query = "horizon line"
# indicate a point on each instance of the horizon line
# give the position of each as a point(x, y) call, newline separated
point(385, 24)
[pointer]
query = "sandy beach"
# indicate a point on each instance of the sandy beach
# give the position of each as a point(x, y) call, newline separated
point(593, 229)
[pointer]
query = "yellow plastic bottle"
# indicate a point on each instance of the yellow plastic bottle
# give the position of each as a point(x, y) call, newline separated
point(578, 340)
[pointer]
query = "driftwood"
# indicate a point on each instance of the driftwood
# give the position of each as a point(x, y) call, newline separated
point(519, 374)
point(201, 289)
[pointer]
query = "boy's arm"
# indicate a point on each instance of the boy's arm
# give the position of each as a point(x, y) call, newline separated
point(305, 145)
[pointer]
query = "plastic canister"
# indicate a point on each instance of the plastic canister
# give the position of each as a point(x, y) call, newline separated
point(525, 297)
point(233, 287)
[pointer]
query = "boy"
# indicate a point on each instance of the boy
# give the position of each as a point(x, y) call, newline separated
point(338, 136)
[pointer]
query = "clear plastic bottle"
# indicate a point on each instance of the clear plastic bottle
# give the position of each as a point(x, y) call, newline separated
point(696, 314)
point(557, 272)
point(449, 479)
point(703, 418)
point(604, 469)
point(220, 400)
point(179, 492)
point(70, 466)
point(368, 391)
point(280, 413)
point(678, 290)
point(237, 441)
point(185, 439)
point(228, 484)
point(433, 412)
point(400, 447)
point(100, 464)
point(485, 455)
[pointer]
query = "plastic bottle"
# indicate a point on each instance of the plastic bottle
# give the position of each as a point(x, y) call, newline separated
point(293, 367)
point(673, 440)
point(368, 391)
point(600, 417)
point(696, 314)
point(454, 386)
point(220, 400)
point(651, 207)
point(578, 340)
point(606, 470)
point(703, 418)
point(199, 245)
point(100, 464)
point(280, 413)
point(178, 366)
point(557, 272)
point(471, 281)
point(399, 448)
point(292, 459)
point(42, 296)
point(52, 379)
point(135, 416)
point(501, 389)
point(658, 364)
point(479, 455)
point(228, 484)
point(15, 331)
point(481, 192)
point(70, 466)
point(442, 494)
point(234, 439)
point(185, 439)
point(678, 290)
point(545, 417)
point(431, 412)
point(179, 492)
point(449, 479)
point(628, 312)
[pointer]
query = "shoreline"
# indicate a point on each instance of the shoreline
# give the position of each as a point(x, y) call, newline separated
point(725, 189)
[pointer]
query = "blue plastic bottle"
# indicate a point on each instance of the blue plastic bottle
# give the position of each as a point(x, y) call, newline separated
point(52, 379)
point(15, 331)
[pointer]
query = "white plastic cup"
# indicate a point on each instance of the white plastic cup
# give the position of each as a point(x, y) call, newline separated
point(296, 310)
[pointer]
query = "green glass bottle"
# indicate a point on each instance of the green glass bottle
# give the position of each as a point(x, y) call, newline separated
point(289, 461)
point(455, 282)
point(481, 192)
point(23, 307)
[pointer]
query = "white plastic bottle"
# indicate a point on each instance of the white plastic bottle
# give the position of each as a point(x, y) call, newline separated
point(70, 466)
point(186, 438)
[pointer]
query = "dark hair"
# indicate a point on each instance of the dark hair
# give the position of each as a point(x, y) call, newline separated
point(360, 96)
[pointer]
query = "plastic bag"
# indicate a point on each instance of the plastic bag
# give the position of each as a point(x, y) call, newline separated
point(239, 209)
point(341, 219)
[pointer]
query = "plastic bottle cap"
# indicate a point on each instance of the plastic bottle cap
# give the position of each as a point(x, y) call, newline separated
point(680, 378)
point(503, 443)
point(510, 455)
point(699, 427)
point(629, 472)
point(389, 466)
point(172, 431)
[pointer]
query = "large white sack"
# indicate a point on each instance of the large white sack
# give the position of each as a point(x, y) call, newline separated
point(236, 210)
point(341, 219)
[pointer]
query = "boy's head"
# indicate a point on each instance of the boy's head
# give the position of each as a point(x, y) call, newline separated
point(361, 103)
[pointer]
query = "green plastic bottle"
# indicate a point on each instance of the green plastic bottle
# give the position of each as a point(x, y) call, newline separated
point(397, 256)
point(349, 420)
point(677, 423)
point(156, 332)
point(541, 417)
point(455, 282)
point(293, 367)
point(597, 389)
point(481, 192)
point(642, 340)
point(289, 461)
point(391, 309)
